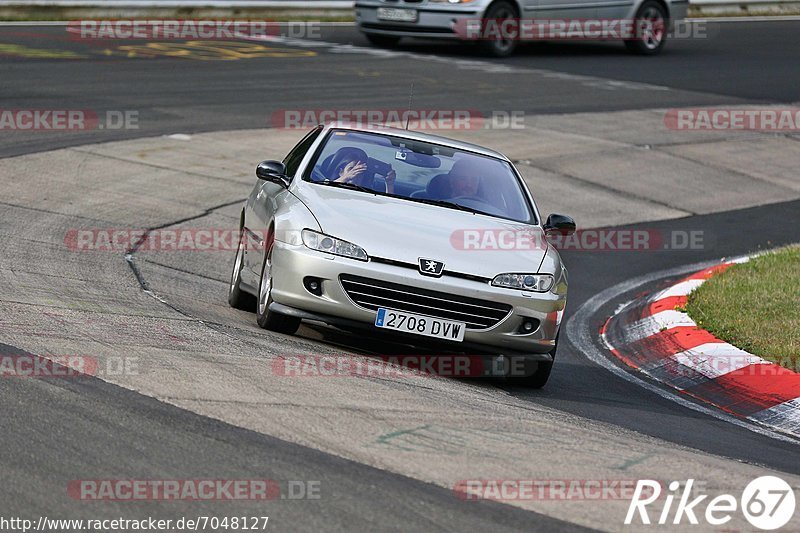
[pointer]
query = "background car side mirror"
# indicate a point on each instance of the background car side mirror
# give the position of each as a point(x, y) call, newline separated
point(561, 224)
point(273, 171)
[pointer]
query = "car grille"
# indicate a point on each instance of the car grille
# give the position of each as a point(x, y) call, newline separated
point(408, 27)
point(372, 294)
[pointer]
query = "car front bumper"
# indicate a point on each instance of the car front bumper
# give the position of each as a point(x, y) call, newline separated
point(433, 22)
point(292, 263)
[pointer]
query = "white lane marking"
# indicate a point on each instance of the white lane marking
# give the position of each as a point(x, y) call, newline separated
point(715, 359)
point(765, 18)
point(465, 64)
point(580, 333)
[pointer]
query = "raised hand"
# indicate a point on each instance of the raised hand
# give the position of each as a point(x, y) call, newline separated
point(351, 171)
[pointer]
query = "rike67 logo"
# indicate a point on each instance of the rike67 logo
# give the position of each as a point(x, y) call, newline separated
point(768, 503)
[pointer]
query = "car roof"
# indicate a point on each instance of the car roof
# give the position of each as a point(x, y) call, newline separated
point(417, 136)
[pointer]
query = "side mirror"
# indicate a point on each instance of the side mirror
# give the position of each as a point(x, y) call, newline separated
point(560, 224)
point(273, 171)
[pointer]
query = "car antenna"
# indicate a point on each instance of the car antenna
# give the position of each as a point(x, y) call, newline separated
point(410, 100)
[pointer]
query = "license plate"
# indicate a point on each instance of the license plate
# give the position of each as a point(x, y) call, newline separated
point(397, 15)
point(420, 325)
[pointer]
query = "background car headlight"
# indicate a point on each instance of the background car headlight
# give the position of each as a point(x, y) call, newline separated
point(525, 282)
point(332, 245)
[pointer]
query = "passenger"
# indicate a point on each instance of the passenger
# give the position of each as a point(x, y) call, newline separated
point(349, 165)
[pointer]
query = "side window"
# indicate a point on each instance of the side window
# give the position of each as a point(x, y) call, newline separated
point(295, 157)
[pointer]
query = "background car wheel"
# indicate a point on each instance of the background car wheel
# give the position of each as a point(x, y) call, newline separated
point(650, 40)
point(500, 47)
point(236, 296)
point(269, 319)
point(539, 378)
point(384, 41)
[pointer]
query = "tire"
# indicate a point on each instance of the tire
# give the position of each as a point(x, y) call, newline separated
point(382, 41)
point(539, 378)
point(264, 317)
point(500, 47)
point(237, 298)
point(651, 42)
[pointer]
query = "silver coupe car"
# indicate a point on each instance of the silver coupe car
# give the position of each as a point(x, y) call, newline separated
point(410, 235)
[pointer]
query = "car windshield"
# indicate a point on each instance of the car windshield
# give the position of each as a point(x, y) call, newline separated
point(420, 171)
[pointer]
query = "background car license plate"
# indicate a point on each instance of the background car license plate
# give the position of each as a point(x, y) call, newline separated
point(397, 15)
point(420, 324)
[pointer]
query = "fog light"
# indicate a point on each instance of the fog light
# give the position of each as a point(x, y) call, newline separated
point(529, 325)
point(313, 285)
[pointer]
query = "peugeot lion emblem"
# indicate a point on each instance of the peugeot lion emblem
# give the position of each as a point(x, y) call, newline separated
point(429, 267)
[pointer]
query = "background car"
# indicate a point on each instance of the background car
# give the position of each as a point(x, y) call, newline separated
point(385, 22)
point(382, 251)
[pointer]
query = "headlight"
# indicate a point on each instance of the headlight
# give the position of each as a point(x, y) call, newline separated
point(525, 282)
point(325, 243)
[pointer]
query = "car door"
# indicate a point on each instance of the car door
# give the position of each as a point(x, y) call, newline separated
point(615, 9)
point(260, 210)
point(557, 10)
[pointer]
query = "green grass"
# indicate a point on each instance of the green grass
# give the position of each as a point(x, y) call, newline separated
point(755, 306)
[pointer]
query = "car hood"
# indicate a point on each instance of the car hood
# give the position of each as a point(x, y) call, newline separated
point(404, 230)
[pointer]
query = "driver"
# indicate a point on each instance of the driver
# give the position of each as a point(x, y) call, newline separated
point(463, 179)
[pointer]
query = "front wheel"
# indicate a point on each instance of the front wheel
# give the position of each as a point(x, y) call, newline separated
point(539, 378)
point(500, 37)
point(264, 317)
point(236, 296)
point(651, 23)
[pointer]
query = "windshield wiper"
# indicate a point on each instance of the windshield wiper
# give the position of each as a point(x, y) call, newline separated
point(347, 186)
point(451, 205)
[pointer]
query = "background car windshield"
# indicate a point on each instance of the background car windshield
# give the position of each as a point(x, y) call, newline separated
point(424, 172)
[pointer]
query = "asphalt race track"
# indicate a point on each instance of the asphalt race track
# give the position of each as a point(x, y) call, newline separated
point(741, 63)
point(385, 451)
